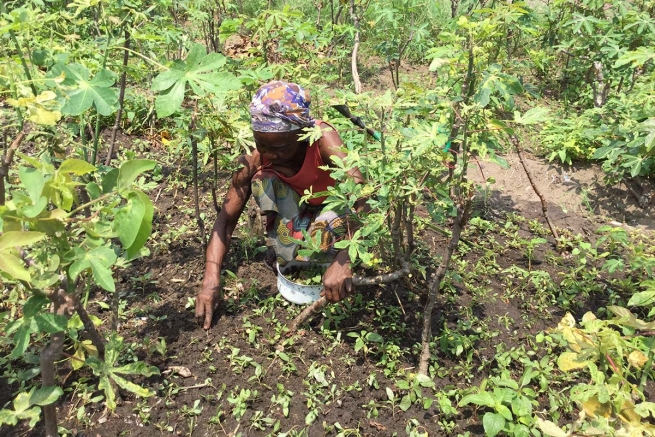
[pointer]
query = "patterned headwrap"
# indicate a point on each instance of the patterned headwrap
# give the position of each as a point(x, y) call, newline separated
point(280, 107)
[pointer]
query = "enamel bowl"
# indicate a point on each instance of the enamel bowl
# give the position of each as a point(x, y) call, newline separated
point(298, 293)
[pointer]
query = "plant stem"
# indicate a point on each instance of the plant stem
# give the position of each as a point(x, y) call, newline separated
point(194, 153)
point(96, 135)
point(63, 304)
point(6, 162)
point(121, 98)
point(86, 205)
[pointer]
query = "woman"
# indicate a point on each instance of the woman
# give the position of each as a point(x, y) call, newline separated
point(277, 174)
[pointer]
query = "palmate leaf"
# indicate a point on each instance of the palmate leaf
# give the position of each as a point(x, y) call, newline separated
point(201, 71)
point(84, 92)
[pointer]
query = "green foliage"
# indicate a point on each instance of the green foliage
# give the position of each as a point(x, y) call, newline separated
point(110, 375)
point(612, 401)
point(198, 70)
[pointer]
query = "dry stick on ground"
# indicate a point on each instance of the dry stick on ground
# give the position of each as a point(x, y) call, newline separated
point(355, 18)
point(317, 306)
point(121, 97)
point(6, 162)
point(544, 207)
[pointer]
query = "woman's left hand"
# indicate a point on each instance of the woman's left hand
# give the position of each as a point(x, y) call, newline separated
point(338, 279)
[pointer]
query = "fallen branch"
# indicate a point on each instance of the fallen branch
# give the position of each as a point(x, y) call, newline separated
point(544, 207)
point(317, 306)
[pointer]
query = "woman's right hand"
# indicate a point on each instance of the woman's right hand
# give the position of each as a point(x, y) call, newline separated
point(207, 301)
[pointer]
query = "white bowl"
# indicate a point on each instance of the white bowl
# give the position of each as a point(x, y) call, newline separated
point(298, 293)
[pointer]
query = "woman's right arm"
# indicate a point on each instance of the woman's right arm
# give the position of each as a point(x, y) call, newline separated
point(236, 198)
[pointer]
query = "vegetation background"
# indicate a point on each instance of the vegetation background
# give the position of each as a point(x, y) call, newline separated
point(502, 294)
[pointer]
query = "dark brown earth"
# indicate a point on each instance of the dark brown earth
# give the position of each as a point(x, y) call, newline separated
point(157, 290)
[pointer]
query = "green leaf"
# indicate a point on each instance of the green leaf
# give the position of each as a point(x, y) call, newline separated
point(51, 323)
point(482, 97)
point(132, 387)
point(405, 403)
point(137, 368)
point(199, 71)
point(33, 305)
point(127, 220)
point(102, 275)
point(110, 180)
point(33, 180)
point(76, 166)
point(104, 384)
point(643, 298)
point(84, 93)
point(374, 337)
point(18, 239)
point(482, 399)
point(45, 395)
point(14, 267)
point(145, 229)
point(37, 208)
point(21, 340)
point(493, 423)
point(504, 411)
point(130, 170)
point(532, 116)
point(521, 406)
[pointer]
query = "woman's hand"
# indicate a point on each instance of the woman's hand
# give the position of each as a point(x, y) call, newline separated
point(338, 279)
point(206, 303)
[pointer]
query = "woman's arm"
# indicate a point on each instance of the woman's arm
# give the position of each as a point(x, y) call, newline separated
point(235, 201)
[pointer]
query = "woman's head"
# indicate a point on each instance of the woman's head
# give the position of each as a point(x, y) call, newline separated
point(278, 112)
point(280, 107)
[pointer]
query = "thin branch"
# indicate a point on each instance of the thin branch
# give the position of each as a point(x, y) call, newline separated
point(121, 98)
point(317, 306)
point(544, 207)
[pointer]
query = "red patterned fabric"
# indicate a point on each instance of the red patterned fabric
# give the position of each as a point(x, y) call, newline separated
point(310, 175)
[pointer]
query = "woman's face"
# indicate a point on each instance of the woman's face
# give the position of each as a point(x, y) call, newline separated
point(278, 147)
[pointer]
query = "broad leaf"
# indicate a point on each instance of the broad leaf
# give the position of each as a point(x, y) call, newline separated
point(18, 239)
point(76, 166)
point(532, 116)
point(33, 180)
point(33, 306)
point(45, 395)
point(51, 323)
point(85, 92)
point(130, 170)
point(493, 423)
point(199, 71)
point(14, 267)
point(127, 220)
point(102, 275)
point(482, 399)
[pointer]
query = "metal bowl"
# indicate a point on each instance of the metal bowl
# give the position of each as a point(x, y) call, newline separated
point(294, 292)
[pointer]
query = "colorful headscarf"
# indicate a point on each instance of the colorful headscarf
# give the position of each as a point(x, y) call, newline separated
point(280, 107)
